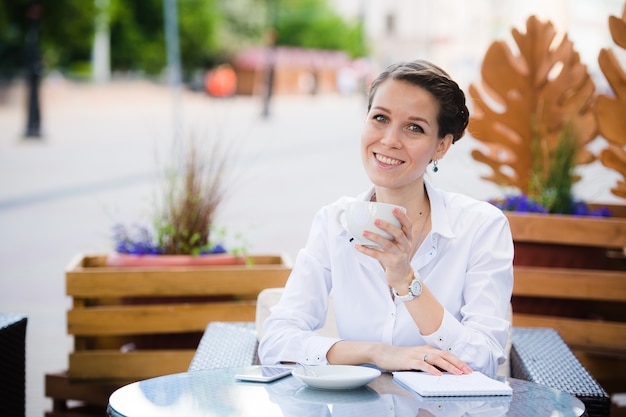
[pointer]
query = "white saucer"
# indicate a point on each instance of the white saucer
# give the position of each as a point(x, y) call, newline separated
point(336, 376)
point(335, 396)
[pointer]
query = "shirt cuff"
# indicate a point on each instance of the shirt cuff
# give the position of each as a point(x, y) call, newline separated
point(446, 337)
point(316, 349)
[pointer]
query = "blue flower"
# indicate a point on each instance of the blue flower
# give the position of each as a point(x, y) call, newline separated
point(139, 240)
point(519, 203)
point(523, 204)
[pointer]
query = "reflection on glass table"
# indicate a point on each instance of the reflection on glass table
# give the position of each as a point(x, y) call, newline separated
point(215, 392)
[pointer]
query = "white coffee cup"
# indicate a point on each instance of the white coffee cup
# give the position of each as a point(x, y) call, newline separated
point(359, 216)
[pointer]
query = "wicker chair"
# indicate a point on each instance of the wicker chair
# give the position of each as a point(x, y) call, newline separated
point(13, 368)
point(537, 355)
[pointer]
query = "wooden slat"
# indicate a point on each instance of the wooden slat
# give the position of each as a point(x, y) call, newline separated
point(568, 230)
point(134, 365)
point(570, 283)
point(59, 387)
point(616, 210)
point(603, 367)
point(172, 318)
point(101, 283)
point(580, 334)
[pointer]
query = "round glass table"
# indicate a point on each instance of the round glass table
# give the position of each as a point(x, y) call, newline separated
point(215, 392)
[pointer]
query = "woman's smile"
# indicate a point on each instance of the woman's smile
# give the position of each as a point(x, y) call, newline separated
point(386, 160)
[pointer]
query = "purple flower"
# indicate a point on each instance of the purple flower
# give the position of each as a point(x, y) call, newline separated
point(519, 203)
point(523, 204)
point(139, 240)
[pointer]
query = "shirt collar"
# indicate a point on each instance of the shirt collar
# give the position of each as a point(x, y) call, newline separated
point(438, 213)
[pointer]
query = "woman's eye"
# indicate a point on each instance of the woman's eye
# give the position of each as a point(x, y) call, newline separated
point(416, 128)
point(380, 118)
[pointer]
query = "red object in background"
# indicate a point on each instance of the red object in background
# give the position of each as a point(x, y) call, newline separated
point(221, 82)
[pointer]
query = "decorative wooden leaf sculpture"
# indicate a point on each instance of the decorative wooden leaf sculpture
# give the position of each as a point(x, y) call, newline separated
point(534, 96)
point(611, 111)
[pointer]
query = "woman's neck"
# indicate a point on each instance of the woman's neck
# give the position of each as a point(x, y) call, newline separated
point(415, 200)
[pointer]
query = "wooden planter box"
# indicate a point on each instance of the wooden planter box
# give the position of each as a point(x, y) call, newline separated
point(135, 323)
point(583, 298)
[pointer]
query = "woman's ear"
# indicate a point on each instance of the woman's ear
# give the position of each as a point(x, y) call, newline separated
point(443, 146)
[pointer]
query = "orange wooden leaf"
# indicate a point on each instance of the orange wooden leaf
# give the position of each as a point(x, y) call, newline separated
point(611, 110)
point(531, 95)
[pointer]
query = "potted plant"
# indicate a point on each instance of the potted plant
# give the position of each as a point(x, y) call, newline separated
point(534, 116)
point(183, 230)
point(141, 312)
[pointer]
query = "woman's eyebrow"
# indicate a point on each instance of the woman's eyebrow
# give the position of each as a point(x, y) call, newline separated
point(419, 119)
point(414, 118)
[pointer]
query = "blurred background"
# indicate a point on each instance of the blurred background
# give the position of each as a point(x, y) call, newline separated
point(95, 94)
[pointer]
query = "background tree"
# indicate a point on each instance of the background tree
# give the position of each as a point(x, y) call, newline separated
point(313, 24)
point(66, 34)
point(138, 40)
point(210, 32)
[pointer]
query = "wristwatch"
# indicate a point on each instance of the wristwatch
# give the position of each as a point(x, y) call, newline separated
point(415, 289)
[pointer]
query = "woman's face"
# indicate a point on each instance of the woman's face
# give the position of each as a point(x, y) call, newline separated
point(399, 136)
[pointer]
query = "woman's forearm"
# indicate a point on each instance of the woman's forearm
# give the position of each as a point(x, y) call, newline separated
point(426, 311)
point(348, 352)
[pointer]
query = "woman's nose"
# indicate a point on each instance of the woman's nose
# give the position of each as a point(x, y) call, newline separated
point(390, 138)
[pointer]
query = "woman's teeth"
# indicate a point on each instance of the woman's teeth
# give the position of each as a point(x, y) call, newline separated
point(388, 161)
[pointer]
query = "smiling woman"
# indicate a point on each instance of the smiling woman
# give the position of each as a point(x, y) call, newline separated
point(435, 286)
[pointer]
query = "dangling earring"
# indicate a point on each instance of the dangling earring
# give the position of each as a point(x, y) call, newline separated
point(435, 168)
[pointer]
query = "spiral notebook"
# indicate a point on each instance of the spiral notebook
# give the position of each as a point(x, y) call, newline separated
point(449, 385)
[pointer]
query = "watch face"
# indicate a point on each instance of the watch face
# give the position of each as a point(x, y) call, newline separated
point(416, 287)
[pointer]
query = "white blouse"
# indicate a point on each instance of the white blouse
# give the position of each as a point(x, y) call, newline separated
point(466, 261)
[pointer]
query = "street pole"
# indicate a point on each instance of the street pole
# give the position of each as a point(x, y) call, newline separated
point(33, 71)
point(174, 71)
point(101, 52)
point(271, 38)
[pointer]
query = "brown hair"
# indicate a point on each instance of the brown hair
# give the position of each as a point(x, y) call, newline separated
point(453, 113)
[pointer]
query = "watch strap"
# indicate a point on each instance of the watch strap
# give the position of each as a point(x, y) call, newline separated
point(415, 283)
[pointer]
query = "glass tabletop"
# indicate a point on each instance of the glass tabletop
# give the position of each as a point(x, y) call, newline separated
point(215, 392)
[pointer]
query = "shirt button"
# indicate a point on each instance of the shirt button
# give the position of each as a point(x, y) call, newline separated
point(441, 339)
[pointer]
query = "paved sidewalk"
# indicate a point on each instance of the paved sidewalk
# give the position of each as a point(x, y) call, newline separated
point(95, 166)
